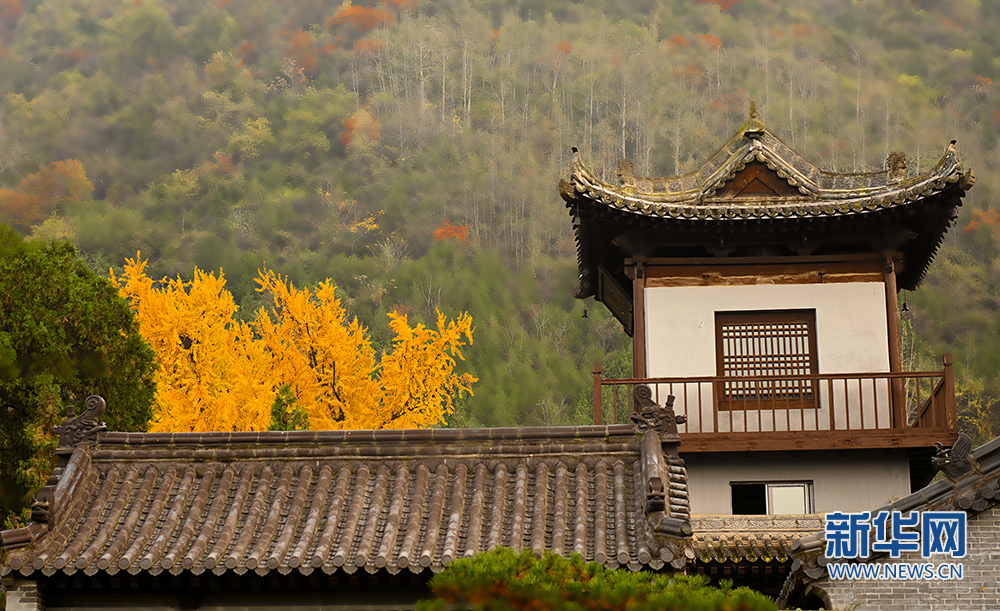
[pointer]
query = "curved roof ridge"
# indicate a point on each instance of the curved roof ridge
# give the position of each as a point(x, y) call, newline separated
point(755, 142)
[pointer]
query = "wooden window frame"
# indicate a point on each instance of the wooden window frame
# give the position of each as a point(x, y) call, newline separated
point(785, 326)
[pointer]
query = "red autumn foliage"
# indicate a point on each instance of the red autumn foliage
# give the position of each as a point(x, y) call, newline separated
point(361, 18)
point(776, 33)
point(692, 74)
point(713, 41)
point(247, 52)
point(361, 123)
point(302, 49)
point(563, 47)
point(450, 231)
point(10, 12)
point(988, 219)
point(983, 87)
point(41, 193)
point(724, 5)
point(678, 41)
point(495, 36)
point(221, 163)
point(348, 128)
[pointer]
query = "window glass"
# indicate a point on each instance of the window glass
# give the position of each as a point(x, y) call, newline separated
point(791, 498)
point(760, 498)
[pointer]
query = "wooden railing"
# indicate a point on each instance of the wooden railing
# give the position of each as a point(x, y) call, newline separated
point(836, 410)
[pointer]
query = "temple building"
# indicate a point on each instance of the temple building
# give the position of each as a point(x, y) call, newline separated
point(760, 292)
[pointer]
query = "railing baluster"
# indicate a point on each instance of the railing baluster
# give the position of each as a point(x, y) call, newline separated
point(875, 399)
point(830, 403)
point(861, 402)
point(814, 384)
point(847, 404)
point(714, 407)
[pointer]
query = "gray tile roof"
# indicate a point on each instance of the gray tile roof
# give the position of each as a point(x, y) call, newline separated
point(821, 193)
point(352, 500)
point(803, 211)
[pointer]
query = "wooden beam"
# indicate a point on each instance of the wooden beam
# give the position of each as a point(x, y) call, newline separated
point(792, 268)
point(779, 260)
point(815, 440)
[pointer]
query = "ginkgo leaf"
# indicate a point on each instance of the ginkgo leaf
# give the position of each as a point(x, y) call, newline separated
point(217, 373)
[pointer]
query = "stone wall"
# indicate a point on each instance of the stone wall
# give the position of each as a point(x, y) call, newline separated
point(979, 588)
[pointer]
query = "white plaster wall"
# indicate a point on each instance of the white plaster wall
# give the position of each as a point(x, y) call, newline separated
point(851, 337)
point(855, 481)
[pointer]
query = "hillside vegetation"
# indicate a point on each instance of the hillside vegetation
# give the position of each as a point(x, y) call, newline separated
point(410, 152)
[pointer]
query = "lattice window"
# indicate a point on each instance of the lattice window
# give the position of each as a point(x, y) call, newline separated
point(766, 343)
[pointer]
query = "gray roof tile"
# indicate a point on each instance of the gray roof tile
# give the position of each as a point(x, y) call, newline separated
point(345, 501)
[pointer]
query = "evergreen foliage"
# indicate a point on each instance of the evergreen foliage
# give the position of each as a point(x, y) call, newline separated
point(505, 580)
point(64, 334)
point(286, 413)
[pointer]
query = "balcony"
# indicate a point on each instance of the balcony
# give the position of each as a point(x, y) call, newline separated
point(816, 412)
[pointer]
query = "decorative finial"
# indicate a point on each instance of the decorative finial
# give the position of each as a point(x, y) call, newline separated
point(753, 109)
point(954, 461)
point(649, 415)
point(84, 428)
point(895, 164)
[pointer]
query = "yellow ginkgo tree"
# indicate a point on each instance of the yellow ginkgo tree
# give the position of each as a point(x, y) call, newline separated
point(218, 373)
point(212, 373)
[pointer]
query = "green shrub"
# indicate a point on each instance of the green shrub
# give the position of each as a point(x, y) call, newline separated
point(506, 580)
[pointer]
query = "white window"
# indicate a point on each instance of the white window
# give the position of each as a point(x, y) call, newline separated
point(762, 498)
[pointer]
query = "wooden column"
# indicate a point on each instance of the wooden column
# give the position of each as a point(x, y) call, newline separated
point(898, 392)
point(637, 272)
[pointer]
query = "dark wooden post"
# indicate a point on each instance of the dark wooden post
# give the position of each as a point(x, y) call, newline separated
point(897, 390)
point(598, 408)
point(951, 417)
point(638, 275)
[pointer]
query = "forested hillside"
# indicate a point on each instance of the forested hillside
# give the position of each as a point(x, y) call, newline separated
point(411, 151)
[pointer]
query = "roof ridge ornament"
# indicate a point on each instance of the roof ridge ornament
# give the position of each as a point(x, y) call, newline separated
point(649, 415)
point(895, 165)
point(755, 127)
point(82, 429)
point(954, 461)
